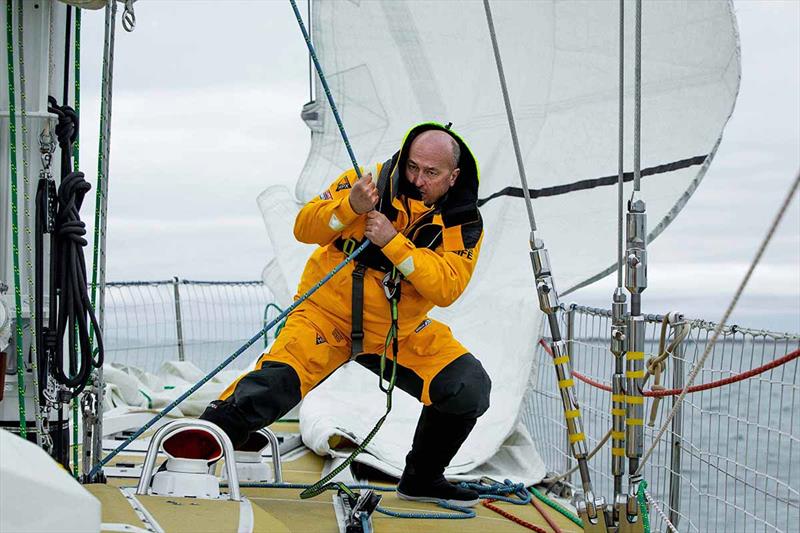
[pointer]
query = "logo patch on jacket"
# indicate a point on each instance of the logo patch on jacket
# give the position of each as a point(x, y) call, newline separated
point(344, 184)
point(320, 339)
point(424, 324)
point(466, 253)
point(326, 196)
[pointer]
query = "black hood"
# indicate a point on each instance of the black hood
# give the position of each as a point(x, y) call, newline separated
point(460, 204)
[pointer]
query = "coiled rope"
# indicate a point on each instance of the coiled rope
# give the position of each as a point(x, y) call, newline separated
point(492, 492)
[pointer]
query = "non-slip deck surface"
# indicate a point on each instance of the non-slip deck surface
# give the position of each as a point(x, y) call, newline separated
point(277, 509)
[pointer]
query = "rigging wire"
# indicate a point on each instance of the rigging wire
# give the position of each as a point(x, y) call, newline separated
point(621, 159)
point(726, 315)
point(510, 115)
point(637, 101)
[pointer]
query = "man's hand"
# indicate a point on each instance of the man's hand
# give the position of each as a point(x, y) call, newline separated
point(364, 194)
point(379, 230)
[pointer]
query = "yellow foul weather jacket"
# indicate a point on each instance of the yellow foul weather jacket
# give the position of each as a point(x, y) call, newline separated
point(435, 250)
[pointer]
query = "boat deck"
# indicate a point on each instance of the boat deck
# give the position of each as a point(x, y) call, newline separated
point(282, 510)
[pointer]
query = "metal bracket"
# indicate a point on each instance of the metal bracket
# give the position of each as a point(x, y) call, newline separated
point(145, 481)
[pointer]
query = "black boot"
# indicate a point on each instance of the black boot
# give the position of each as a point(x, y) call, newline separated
point(436, 441)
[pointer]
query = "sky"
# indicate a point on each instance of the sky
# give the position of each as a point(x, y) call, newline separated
point(206, 114)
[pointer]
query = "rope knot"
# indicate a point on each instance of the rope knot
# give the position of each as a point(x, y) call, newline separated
point(67, 127)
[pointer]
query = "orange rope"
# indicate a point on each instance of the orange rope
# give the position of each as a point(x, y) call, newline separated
point(515, 519)
point(696, 388)
point(544, 514)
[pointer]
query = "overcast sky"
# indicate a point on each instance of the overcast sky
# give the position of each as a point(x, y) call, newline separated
point(206, 114)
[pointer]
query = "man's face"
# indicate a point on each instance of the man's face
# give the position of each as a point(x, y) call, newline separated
point(430, 165)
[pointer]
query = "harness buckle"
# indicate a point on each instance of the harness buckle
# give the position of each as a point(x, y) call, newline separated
point(349, 246)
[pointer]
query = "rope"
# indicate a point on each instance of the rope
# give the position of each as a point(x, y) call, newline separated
point(555, 505)
point(269, 306)
point(96, 469)
point(515, 519)
point(324, 484)
point(23, 99)
point(575, 468)
point(500, 491)
point(510, 116)
point(546, 516)
point(12, 133)
point(696, 370)
point(643, 506)
point(75, 163)
point(663, 516)
point(461, 512)
point(101, 207)
point(697, 388)
point(312, 52)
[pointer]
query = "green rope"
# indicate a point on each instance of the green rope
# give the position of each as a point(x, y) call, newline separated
point(76, 158)
point(101, 177)
point(29, 223)
point(12, 130)
point(324, 484)
point(77, 96)
point(571, 516)
point(278, 329)
point(643, 506)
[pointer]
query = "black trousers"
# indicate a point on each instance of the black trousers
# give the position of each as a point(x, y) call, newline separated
point(460, 391)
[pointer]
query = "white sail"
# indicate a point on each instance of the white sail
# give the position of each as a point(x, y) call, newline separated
point(393, 64)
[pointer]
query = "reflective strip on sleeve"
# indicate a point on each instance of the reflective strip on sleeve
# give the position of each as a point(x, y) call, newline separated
point(335, 224)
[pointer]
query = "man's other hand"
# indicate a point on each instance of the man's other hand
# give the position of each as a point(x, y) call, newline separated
point(364, 194)
point(379, 230)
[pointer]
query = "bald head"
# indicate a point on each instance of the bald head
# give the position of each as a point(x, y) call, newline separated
point(432, 164)
point(440, 141)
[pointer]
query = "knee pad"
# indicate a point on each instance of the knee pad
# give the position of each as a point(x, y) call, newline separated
point(462, 388)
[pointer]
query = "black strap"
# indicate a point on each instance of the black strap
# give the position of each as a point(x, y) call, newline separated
point(357, 322)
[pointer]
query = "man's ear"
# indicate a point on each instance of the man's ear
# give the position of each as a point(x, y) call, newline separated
point(454, 175)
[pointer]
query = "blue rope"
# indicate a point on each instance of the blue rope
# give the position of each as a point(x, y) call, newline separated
point(460, 514)
point(96, 469)
point(327, 89)
point(226, 362)
point(500, 491)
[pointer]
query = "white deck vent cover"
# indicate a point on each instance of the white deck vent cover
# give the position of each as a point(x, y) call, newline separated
point(190, 451)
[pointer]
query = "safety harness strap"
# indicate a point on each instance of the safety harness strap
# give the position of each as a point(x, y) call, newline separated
point(346, 245)
point(357, 325)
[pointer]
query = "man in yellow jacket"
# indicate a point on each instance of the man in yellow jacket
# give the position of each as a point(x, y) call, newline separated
point(419, 211)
